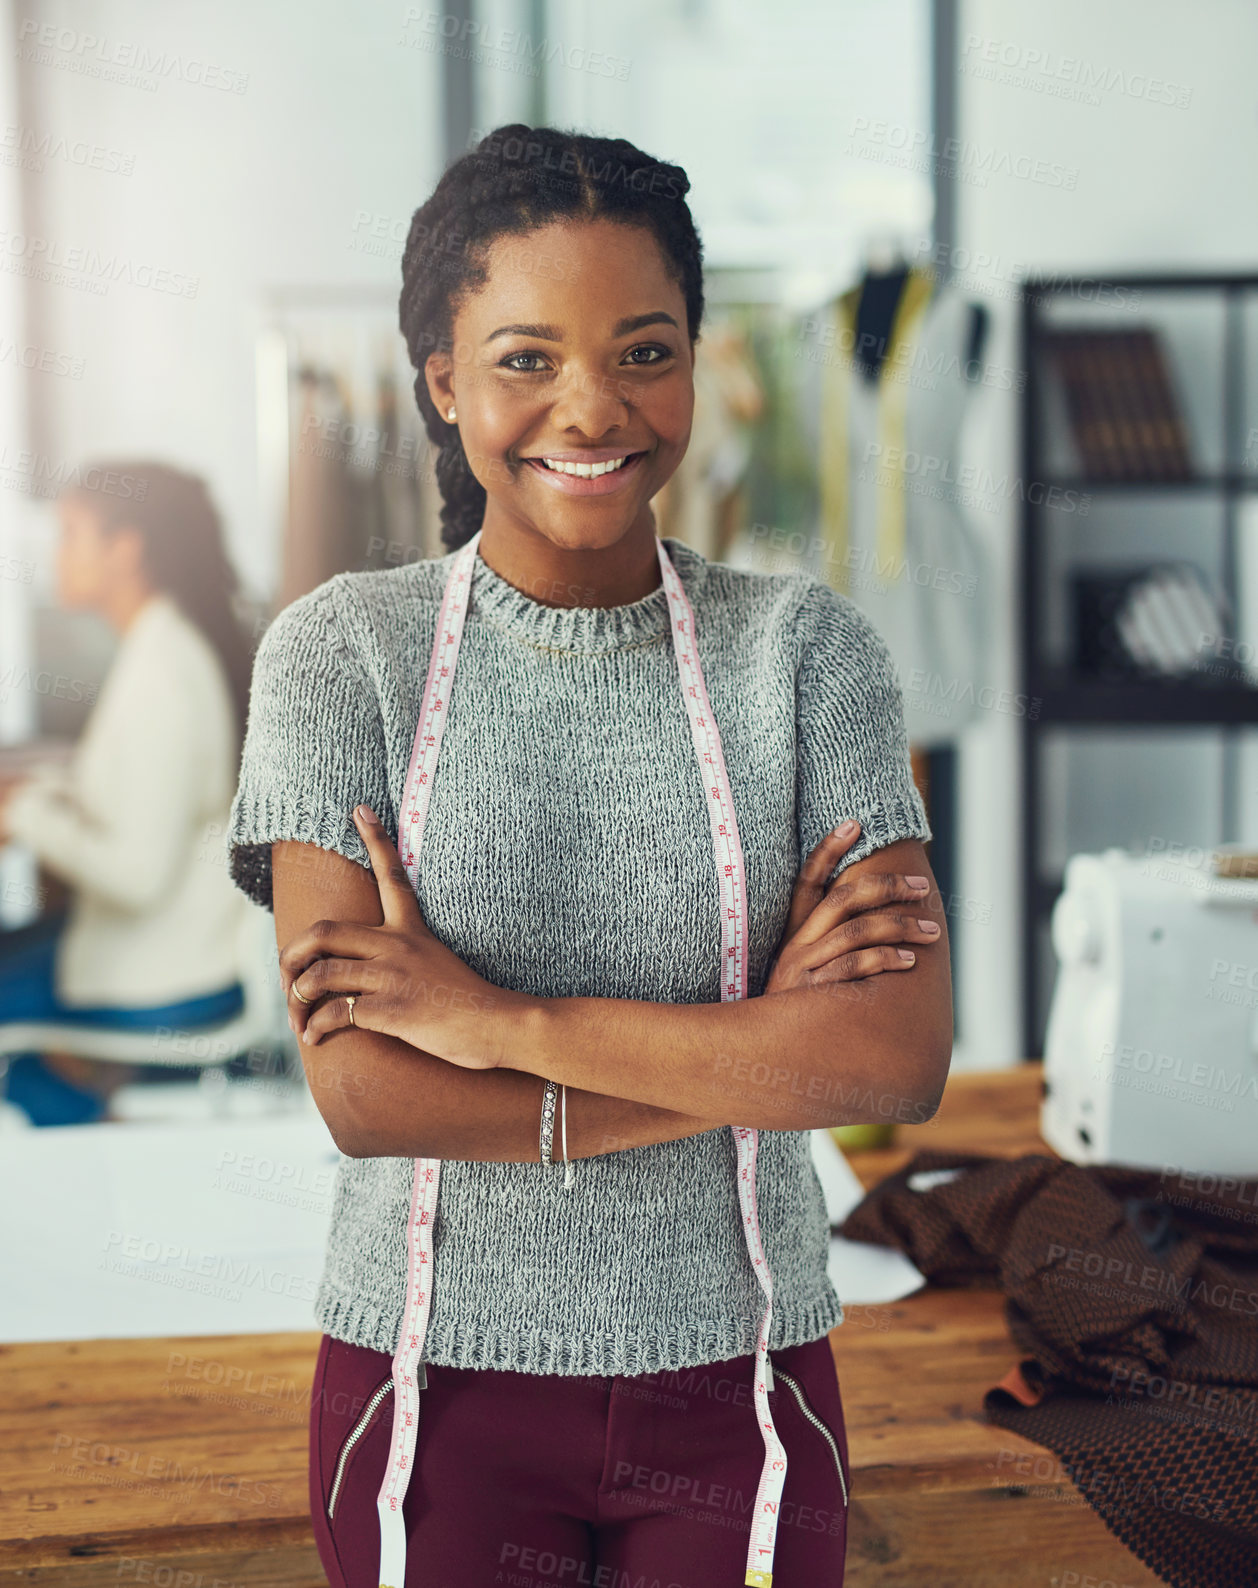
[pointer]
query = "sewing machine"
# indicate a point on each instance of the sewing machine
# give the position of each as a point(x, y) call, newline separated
point(1151, 1052)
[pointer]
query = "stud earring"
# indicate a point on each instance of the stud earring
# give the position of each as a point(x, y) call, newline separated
point(451, 417)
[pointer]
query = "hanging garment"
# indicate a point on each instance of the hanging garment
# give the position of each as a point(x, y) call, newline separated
point(393, 526)
point(320, 538)
point(1135, 1294)
point(893, 529)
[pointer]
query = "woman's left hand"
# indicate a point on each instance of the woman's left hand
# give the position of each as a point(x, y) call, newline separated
point(406, 982)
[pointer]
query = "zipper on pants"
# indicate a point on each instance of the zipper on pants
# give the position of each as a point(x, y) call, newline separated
point(352, 1438)
point(812, 1417)
point(360, 1428)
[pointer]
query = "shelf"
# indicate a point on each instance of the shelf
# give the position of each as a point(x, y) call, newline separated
point(1198, 482)
point(1062, 283)
point(1065, 700)
point(1054, 537)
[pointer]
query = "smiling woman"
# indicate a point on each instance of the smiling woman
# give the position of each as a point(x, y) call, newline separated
point(571, 422)
point(660, 407)
point(597, 888)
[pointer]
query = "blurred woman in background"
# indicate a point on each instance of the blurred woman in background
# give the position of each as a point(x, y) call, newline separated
point(134, 823)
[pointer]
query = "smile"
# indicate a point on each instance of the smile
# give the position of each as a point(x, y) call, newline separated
point(595, 478)
point(584, 471)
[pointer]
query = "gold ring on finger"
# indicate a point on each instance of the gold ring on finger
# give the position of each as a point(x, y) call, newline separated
point(349, 999)
point(296, 992)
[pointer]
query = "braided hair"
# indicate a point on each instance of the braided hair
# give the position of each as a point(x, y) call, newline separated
point(517, 179)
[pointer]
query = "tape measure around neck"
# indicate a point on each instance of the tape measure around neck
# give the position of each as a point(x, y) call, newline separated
point(732, 882)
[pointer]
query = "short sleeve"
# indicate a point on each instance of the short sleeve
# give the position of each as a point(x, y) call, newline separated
point(852, 744)
point(314, 744)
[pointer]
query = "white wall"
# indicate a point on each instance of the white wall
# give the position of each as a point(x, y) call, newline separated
point(1157, 185)
point(763, 107)
point(16, 711)
point(18, 876)
point(244, 191)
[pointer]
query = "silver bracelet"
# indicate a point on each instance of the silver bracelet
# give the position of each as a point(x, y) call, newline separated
point(548, 1121)
point(568, 1180)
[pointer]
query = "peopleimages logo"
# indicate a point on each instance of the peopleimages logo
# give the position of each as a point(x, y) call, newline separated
point(974, 161)
point(926, 691)
point(541, 160)
point(989, 273)
point(47, 360)
point(485, 40)
point(48, 43)
point(1024, 63)
point(26, 146)
point(43, 253)
point(43, 473)
point(933, 471)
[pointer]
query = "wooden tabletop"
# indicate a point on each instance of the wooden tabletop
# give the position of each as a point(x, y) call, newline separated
point(130, 1461)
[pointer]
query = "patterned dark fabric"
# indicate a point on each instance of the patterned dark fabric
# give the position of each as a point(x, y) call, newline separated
point(1135, 1294)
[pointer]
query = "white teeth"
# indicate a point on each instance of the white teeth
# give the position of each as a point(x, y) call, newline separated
point(583, 471)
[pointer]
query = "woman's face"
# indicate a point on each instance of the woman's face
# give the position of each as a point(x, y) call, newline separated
point(82, 554)
point(90, 561)
point(575, 351)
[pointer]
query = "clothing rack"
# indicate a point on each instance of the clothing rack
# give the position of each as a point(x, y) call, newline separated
point(347, 468)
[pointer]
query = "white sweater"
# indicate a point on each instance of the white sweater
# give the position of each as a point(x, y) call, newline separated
point(135, 824)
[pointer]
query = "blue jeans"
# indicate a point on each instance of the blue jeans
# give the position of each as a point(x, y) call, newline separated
point(28, 992)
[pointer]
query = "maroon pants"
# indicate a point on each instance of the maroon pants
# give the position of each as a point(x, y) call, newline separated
point(557, 1481)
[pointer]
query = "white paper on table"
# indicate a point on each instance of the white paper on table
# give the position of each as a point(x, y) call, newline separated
point(861, 1271)
point(171, 1228)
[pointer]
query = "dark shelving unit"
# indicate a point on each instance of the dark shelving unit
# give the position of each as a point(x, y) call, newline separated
point(1062, 699)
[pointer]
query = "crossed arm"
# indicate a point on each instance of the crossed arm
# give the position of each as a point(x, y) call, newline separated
point(637, 1073)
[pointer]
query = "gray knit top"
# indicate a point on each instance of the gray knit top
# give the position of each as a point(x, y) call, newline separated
point(588, 871)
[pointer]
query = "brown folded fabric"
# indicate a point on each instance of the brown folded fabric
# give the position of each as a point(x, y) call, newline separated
point(1136, 1296)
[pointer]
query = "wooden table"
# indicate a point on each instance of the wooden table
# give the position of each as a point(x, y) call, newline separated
point(136, 1461)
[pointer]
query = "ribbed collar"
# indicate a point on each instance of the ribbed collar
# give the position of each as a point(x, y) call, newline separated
point(581, 630)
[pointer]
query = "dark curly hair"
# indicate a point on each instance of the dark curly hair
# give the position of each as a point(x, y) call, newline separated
point(516, 179)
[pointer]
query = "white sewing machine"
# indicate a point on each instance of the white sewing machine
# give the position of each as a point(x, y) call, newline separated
point(1151, 1052)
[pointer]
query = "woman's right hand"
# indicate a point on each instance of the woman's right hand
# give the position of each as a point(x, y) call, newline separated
point(848, 930)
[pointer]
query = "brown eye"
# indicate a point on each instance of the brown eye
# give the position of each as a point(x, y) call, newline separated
point(651, 347)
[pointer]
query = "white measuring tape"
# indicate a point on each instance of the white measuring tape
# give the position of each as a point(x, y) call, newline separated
point(408, 1373)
